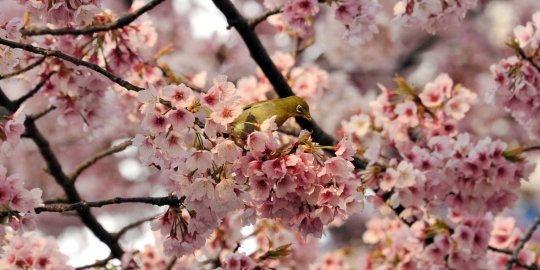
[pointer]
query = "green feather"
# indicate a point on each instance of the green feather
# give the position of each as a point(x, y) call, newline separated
point(256, 113)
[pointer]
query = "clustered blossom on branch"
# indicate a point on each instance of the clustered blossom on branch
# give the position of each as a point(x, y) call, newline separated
point(419, 163)
point(358, 17)
point(274, 245)
point(32, 252)
point(431, 15)
point(214, 175)
point(458, 244)
point(446, 187)
point(83, 96)
point(18, 202)
point(11, 128)
point(517, 78)
point(63, 13)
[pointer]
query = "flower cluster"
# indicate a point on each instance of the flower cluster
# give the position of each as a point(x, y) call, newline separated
point(426, 162)
point(431, 15)
point(62, 13)
point(517, 80)
point(32, 252)
point(528, 35)
point(214, 175)
point(506, 236)
point(84, 97)
point(11, 130)
point(461, 243)
point(358, 16)
point(331, 261)
point(14, 197)
point(9, 29)
point(298, 14)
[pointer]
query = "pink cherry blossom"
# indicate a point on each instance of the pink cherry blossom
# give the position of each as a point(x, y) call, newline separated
point(180, 96)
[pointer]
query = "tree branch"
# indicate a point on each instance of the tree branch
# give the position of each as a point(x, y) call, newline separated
point(32, 92)
point(55, 169)
point(84, 205)
point(90, 161)
point(500, 250)
point(96, 264)
point(43, 113)
point(171, 263)
point(255, 21)
point(23, 70)
point(532, 148)
point(169, 74)
point(514, 259)
point(131, 226)
point(261, 57)
point(119, 23)
point(69, 58)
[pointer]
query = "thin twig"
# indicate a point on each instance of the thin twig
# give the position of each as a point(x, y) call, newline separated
point(131, 226)
point(119, 23)
point(90, 161)
point(159, 201)
point(69, 58)
point(23, 70)
point(532, 148)
point(169, 73)
point(514, 259)
point(500, 250)
point(96, 264)
point(34, 90)
point(255, 21)
point(171, 263)
point(43, 113)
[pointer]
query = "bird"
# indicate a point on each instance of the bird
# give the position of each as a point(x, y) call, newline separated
point(254, 114)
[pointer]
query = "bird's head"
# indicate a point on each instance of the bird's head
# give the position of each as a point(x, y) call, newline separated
point(296, 107)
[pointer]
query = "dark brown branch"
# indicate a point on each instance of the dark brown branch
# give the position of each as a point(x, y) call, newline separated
point(99, 263)
point(532, 148)
point(23, 70)
point(119, 23)
point(131, 226)
point(255, 21)
point(256, 49)
point(84, 205)
point(32, 92)
point(78, 62)
point(90, 161)
point(514, 259)
point(55, 169)
point(500, 250)
point(171, 263)
point(43, 113)
point(261, 57)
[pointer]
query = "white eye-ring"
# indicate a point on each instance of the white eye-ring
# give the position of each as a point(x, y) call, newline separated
point(299, 108)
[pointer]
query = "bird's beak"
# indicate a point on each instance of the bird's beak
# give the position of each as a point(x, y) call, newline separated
point(308, 117)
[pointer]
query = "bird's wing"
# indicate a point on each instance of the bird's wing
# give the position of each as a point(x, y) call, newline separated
point(256, 104)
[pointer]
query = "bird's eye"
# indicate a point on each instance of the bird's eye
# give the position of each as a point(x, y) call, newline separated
point(299, 109)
